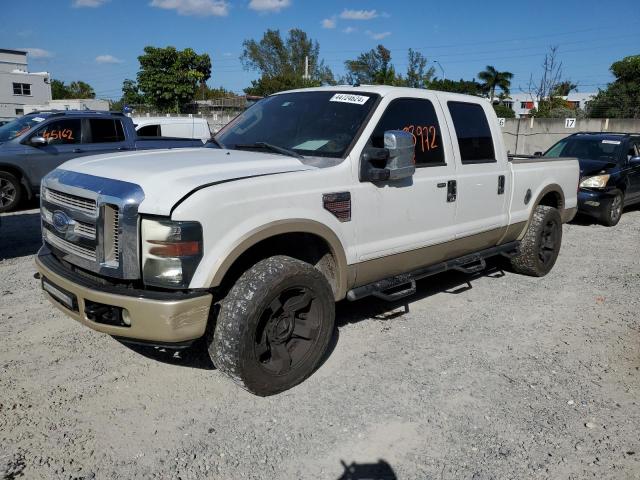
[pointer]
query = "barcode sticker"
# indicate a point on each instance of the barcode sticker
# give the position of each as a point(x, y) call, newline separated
point(349, 98)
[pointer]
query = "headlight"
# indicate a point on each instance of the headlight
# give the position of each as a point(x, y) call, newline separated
point(599, 181)
point(171, 252)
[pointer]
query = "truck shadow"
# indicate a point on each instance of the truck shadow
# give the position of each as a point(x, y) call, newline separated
point(367, 471)
point(19, 234)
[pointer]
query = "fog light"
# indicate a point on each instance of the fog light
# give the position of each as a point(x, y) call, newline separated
point(126, 318)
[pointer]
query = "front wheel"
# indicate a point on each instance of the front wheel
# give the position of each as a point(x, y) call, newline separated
point(274, 326)
point(612, 210)
point(541, 244)
point(10, 192)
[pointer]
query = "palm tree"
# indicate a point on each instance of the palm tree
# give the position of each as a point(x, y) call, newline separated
point(493, 78)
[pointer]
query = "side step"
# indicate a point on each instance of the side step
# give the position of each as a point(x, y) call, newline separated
point(472, 263)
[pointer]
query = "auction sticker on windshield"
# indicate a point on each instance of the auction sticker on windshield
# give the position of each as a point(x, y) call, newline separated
point(349, 98)
point(612, 142)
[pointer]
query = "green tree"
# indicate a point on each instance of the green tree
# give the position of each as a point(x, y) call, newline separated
point(621, 98)
point(373, 67)
point(468, 87)
point(169, 78)
point(281, 62)
point(556, 107)
point(493, 79)
point(131, 93)
point(77, 89)
point(564, 88)
point(503, 111)
point(418, 75)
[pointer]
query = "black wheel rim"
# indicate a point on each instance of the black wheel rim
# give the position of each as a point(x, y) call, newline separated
point(616, 208)
point(548, 242)
point(7, 192)
point(287, 331)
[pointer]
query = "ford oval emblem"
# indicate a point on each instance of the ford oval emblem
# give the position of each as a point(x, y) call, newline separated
point(60, 221)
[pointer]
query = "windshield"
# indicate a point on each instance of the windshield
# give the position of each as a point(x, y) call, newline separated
point(321, 124)
point(18, 126)
point(586, 148)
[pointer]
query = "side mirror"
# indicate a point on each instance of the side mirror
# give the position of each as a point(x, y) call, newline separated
point(393, 162)
point(634, 161)
point(537, 154)
point(37, 141)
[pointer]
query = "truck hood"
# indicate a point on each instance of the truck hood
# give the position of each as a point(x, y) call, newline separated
point(590, 167)
point(167, 176)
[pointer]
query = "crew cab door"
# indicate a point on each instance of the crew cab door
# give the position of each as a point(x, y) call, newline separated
point(483, 175)
point(397, 220)
point(64, 142)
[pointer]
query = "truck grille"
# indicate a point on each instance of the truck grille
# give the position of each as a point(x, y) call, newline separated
point(68, 247)
point(74, 202)
point(92, 223)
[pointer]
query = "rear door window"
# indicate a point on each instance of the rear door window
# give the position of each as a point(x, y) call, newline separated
point(106, 130)
point(417, 117)
point(149, 131)
point(61, 132)
point(474, 135)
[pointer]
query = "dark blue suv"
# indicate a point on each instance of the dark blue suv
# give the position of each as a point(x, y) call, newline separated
point(609, 172)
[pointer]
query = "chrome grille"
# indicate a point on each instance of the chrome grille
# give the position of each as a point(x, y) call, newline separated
point(86, 253)
point(92, 222)
point(74, 202)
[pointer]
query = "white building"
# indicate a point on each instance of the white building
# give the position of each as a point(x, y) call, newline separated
point(522, 103)
point(70, 104)
point(18, 87)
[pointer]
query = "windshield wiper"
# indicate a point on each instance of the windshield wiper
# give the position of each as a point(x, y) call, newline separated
point(271, 147)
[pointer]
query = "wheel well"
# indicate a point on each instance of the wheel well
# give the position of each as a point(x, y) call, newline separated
point(552, 199)
point(307, 247)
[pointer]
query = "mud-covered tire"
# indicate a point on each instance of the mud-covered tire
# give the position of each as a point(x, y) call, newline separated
point(541, 244)
point(10, 192)
point(612, 210)
point(265, 307)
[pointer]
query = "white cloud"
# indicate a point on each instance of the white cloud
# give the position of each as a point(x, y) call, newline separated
point(350, 30)
point(269, 5)
point(200, 8)
point(88, 3)
point(227, 54)
point(38, 52)
point(107, 59)
point(329, 23)
point(358, 14)
point(378, 36)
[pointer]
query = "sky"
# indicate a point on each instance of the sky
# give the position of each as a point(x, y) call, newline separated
point(98, 41)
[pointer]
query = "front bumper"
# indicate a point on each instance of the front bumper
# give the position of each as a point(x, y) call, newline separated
point(592, 202)
point(164, 318)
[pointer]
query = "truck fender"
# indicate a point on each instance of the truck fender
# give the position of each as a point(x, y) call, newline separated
point(556, 191)
point(272, 229)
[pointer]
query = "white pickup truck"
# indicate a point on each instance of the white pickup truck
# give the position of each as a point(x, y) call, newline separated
point(307, 198)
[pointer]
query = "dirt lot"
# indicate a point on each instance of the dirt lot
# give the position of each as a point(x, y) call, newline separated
point(502, 377)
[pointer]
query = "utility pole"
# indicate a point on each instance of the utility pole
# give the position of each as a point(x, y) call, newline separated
point(438, 63)
point(306, 67)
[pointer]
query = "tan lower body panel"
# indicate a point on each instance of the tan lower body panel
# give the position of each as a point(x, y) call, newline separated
point(151, 320)
point(379, 268)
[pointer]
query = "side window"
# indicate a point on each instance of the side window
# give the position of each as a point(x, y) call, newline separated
point(634, 151)
point(149, 131)
point(418, 117)
point(106, 130)
point(473, 132)
point(61, 132)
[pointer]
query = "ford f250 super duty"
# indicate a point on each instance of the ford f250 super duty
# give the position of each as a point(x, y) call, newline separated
point(34, 144)
point(308, 197)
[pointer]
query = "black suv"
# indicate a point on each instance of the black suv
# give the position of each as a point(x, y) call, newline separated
point(609, 172)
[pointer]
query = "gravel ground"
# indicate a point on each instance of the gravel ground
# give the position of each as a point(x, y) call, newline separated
point(489, 377)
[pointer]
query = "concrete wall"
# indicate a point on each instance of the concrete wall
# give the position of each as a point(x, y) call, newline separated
point(525, 136)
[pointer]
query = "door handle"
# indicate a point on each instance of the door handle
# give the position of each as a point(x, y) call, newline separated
point(123, 148)
point(452, 191)
point(501, 183)
point(77, 150)
point(441, 185)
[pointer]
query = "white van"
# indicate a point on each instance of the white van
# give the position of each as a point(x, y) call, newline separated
point(183, 127)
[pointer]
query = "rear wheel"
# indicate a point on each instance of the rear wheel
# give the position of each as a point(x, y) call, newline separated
point(541, 244)
point(274, 326)
point(612, 210)
point(10, 192)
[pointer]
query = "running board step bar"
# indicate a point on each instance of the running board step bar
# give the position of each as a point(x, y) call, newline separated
point(468, 264)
